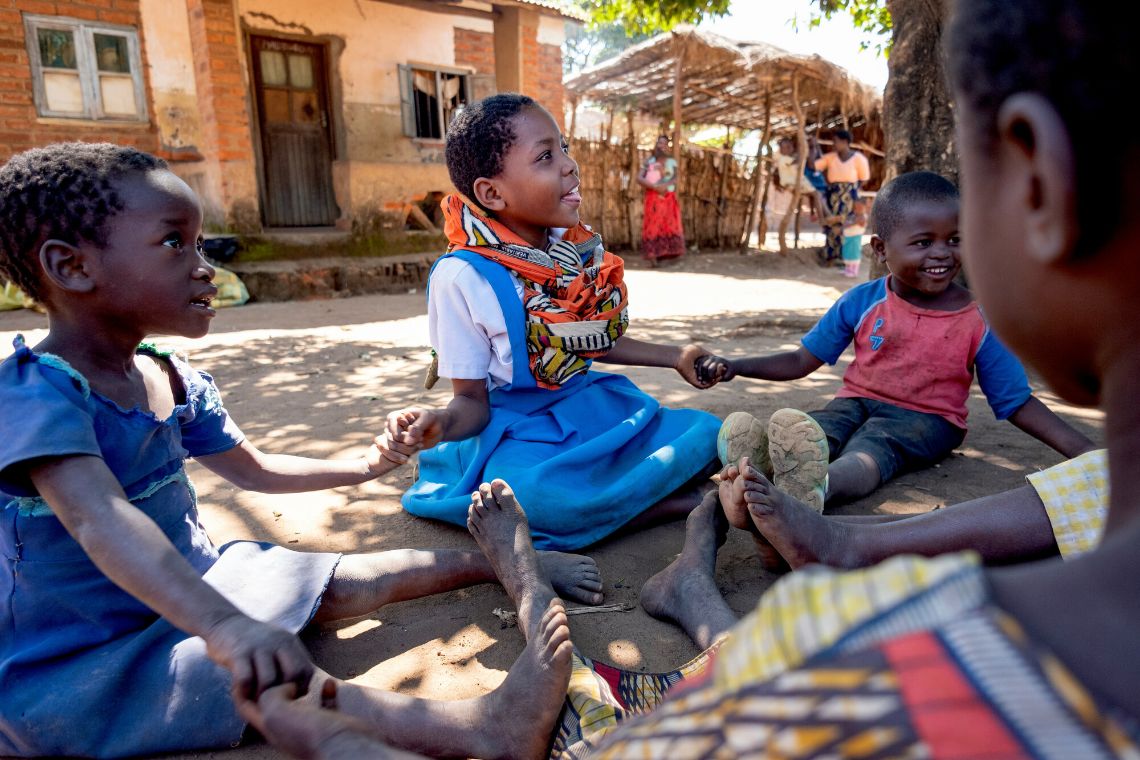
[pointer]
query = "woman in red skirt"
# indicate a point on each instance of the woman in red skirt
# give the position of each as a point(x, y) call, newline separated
point(662, 236)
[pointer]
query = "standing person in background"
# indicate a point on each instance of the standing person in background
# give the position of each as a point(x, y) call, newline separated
point(846, 170)
point(788, 174)
point(662, 236)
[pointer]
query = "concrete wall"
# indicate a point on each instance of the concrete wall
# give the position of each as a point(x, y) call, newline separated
point(199, 92)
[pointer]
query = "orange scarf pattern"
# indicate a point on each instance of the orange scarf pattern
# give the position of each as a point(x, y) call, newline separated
point(574, 311)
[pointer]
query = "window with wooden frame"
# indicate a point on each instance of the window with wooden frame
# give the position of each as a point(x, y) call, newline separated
point(429, 97)
point(85, 70)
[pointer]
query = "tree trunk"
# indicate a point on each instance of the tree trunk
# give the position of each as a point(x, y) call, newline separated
point(917, 115)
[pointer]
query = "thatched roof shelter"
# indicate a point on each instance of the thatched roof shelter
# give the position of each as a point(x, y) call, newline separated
point(699, 78)
point(726, 82)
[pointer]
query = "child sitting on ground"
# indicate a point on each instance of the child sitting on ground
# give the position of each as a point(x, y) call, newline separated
point(919, 338)
point(523, 302)
point(113, 600)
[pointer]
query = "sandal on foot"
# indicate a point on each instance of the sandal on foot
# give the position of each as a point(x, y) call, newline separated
point(798, 449)
point(742, 435)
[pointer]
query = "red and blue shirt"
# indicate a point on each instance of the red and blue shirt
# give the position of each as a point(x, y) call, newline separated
point(918, 359)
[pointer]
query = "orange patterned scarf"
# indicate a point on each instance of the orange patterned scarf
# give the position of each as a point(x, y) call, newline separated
point(575, 311)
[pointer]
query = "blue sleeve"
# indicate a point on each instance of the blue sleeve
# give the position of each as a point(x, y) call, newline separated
point(836, 329)
point(43, 413)
point(206, 426)
point(1001, 377)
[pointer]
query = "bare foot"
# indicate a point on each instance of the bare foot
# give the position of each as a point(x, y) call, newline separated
point(685, 592)
point(519, 716)
point(305, 730)
point(736, 512)
point(499, 526)
point(573, 576)
point(799, 533)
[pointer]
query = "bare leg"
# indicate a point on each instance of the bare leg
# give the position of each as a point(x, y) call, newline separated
point(685, 592)
point(1011, 526)
point(515, 720)
point(499, 526)
point(363, 583)
point(305, 731)
point(850, 477)
point(675, 506)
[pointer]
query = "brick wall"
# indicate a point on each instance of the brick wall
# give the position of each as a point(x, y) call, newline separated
point(542, 70)
point(550, 81)
point(224, 107)
point(475, 49)
point(20, 126)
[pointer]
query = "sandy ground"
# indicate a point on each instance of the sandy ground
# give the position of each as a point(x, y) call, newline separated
point(318, 377)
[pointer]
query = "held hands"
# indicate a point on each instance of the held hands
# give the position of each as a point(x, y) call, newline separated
point(258, 655)
point(700, 368)
point(416, 428)
point(386, 454)
point(716, 369)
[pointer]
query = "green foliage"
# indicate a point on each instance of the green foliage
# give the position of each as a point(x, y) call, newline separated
point(586, 46)
point(869, 16)
point(651, 16)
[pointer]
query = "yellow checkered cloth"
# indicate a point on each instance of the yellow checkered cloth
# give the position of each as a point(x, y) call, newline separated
point(809, 610)
point(1075, 494)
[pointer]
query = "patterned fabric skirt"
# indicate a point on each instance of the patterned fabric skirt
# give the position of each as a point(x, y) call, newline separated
point(840, 198)
point(662, 236)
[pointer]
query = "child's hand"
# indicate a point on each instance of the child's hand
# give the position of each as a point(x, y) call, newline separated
point(688, 363)
point(259, 655)
point(417, 428)
point(386, 454)
point(715, 368)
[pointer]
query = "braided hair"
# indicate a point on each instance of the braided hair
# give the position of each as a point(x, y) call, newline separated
point(64, 191)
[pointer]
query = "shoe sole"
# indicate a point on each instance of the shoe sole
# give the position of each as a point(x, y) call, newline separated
point(743, 435)
point(798, 449)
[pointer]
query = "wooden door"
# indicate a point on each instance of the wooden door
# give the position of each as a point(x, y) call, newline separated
point(296, 146)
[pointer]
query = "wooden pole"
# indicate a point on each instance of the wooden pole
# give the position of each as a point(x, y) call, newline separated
point(632, 195)
point(801, 142)
point(573, 121)
point(603, 168)
point(678, 92)
point(721, 201)
point(765, 147)
point(843, 113)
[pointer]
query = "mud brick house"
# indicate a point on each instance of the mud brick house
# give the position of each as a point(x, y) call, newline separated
point(280, 113)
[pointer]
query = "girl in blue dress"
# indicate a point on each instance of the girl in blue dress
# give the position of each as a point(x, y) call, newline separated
point(525, 299)
point(122, 628)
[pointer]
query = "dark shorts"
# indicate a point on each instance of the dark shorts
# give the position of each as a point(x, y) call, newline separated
point(898, 439)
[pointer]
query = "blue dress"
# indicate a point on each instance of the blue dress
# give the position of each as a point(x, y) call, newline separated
point(85, 668)
point(583, 460)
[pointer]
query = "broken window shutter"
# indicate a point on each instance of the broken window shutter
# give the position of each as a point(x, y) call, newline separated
point(407, 101)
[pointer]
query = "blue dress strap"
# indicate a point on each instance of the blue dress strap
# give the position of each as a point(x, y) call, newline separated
point(500, 281)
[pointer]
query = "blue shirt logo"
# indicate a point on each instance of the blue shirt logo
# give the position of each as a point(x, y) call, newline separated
point(876, 340)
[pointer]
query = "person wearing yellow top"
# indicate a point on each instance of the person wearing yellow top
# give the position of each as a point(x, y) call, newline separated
point(845, 170)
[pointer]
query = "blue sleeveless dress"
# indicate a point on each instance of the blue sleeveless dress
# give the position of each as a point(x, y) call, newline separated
point(85, 668)
point(584, 460)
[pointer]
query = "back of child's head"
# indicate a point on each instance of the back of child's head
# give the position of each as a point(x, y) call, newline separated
point(1076, 54)
point(902, 193)
point(479, 137)
point(62, 192)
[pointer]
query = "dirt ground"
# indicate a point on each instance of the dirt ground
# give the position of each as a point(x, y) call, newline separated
point(317, 378)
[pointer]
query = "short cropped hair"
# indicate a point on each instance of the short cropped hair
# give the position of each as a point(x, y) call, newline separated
point(478, 138)
point(1074, 53)
point(842, 134)
point(904, 191)
point(65, 192)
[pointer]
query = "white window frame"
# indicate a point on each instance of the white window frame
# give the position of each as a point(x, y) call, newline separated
point(407, 99)
point(83, 32)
